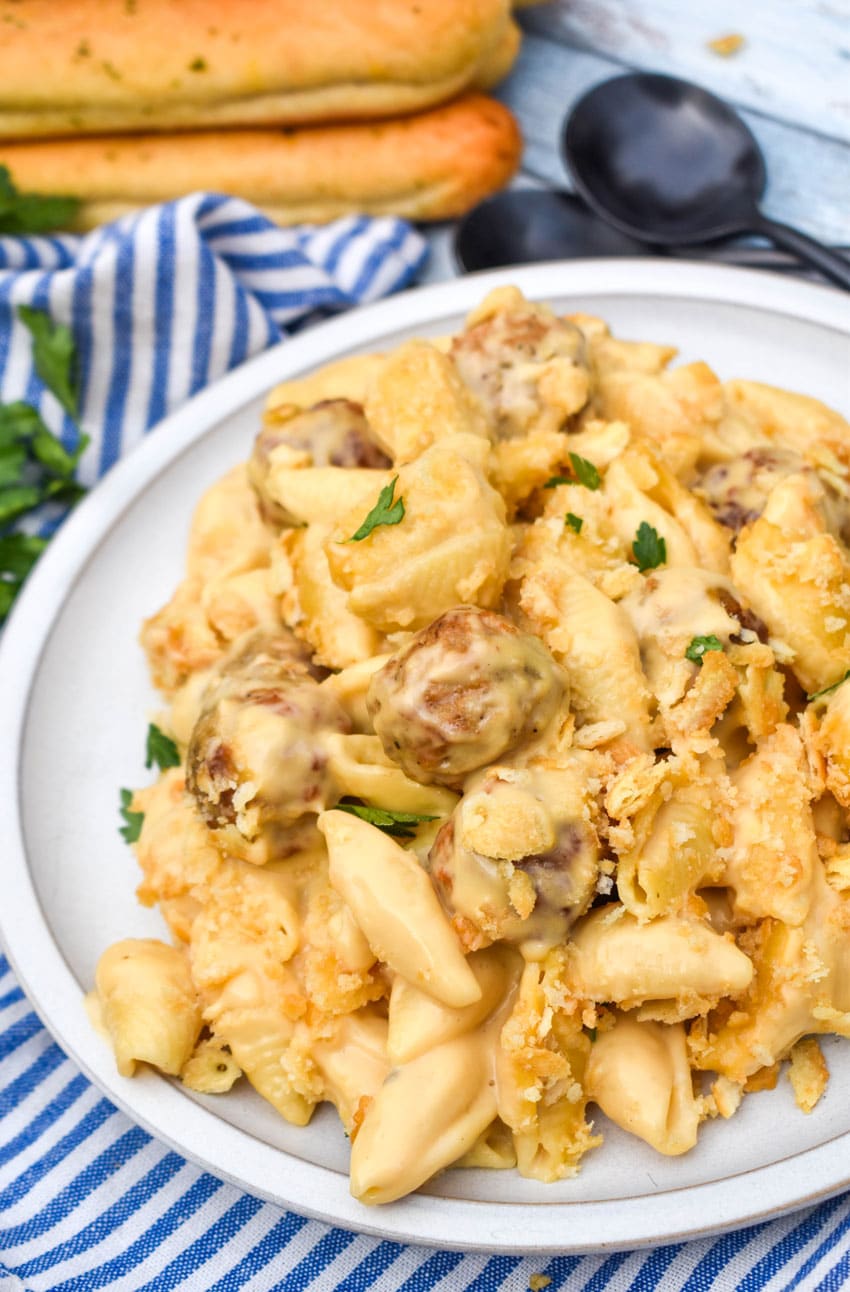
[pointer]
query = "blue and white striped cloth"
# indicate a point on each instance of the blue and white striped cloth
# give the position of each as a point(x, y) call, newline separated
point(161, 304)
point(88, 1200)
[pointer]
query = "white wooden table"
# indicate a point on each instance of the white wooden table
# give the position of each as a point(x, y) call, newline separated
point(790, 80)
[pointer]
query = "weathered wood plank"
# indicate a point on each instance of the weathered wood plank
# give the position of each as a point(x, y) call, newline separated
point(808, 173)
point(794, 64)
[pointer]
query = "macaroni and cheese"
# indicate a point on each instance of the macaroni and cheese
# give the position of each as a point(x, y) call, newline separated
point(506, 767)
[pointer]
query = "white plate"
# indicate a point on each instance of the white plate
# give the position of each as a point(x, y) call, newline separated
point(75, 699)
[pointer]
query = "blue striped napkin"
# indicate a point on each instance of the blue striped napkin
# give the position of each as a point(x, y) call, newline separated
point(161, 304)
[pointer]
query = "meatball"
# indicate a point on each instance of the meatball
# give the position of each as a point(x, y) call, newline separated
point(463, 692)
point(333, 433)
point(673, 606)
point(256, 759)
point(737, 491)
point(528, 369)
point(264, 656)
point(519, 858)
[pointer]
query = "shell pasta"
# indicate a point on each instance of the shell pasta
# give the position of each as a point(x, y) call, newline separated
point(504, 782)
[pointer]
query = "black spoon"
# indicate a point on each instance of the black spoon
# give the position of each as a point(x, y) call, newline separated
point(522, 226)
point(667, 162)
point(525, 226)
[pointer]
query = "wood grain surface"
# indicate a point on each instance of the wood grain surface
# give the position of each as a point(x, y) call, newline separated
point(790, 80)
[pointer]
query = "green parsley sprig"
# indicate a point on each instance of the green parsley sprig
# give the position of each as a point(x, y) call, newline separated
point(402, 825)
point(160, 749)
point(35, 467)
point(385, 512)
point(32, 212)
point(585, 474)
point(700, 646)
point(132, 828)
point(18, 554)
point(575, 522)
point(649, 548)
point(827, 690)
point(54, 355)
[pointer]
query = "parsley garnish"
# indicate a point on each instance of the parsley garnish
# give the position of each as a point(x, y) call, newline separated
point(131, 831)
point(701, 645)
point(827, 690)
point(18, 554)
point(53, 352)
point(586, 472)
point(23, 434)
point(400, 824)
point(160, 749)
point(35, 467)
point(650, 550)
point(575, 522)
point(32, 212)
point(385, 512)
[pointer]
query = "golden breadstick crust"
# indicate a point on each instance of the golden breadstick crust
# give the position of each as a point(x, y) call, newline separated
point(98, 66)
point(499, 58)
point(430, 166)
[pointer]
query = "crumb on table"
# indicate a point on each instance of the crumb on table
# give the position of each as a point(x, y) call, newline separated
point(727, 45)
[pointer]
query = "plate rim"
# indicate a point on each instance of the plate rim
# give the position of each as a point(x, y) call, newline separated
point(52, 989)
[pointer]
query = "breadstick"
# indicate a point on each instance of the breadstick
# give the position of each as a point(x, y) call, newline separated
point(430, 166)
point(109, 66)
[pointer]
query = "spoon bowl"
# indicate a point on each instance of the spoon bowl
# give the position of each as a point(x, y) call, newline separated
point(527, 225)
point(666, 162)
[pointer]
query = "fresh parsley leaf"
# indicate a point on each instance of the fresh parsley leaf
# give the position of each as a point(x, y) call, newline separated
point(17, 500)
point(400, 824)
point(160, 749)
point(18, 554)
point(54, 355)
point(650, 550)
point(385, 512)
point(23, 431)
point(575, 522)
point(586, 472)
point(18, 423)
point(133, 828)
point(62, 490)
point(827, 690)
point(8, 591)
point(35, 467)
point(699, 646)
point(53, 455)
point(13, 460)
point(32, 212)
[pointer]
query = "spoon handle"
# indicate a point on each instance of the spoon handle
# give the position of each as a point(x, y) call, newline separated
point(828, 262)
